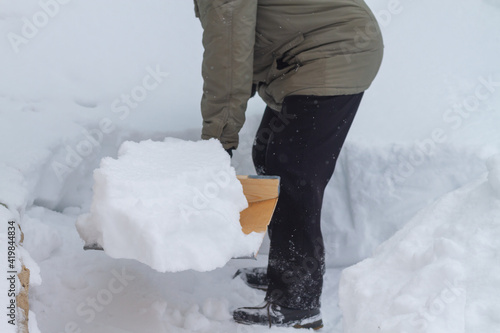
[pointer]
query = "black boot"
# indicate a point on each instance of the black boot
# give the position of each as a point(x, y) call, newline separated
point(273, 314)
point(254, 277)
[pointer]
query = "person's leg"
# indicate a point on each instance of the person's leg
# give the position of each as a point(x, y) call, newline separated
point(303, 153)
point(301, 145)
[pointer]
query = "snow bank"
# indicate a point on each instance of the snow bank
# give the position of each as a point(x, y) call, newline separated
point(378, 188)
point(437, 273)
point(173, 205)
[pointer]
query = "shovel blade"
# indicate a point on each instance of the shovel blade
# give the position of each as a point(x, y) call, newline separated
point(262, 195)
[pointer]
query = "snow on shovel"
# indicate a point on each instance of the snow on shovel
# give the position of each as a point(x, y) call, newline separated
point(177, 205)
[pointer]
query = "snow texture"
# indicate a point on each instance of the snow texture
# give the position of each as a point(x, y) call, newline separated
point(436, 274)
point(425, 128)
point(173, 205)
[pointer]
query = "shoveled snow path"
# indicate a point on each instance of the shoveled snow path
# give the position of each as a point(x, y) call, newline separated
point(90, 291)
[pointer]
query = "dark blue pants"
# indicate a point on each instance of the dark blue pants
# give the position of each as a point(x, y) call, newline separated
point(300, 144)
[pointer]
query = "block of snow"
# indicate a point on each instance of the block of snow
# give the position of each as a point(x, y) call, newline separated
point(438, 274)
point(173, 205)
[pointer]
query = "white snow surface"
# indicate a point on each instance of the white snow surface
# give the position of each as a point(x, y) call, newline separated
point(434, 275)
point(427, 127)
point(173, 205)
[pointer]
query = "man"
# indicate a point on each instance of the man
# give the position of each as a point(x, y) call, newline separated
point(310, 61)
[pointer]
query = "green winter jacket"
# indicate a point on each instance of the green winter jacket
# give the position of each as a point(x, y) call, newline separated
point(282, 47)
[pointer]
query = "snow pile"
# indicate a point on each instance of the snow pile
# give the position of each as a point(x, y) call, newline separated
point(173, 205)
point(377, 189)
point(437, 273)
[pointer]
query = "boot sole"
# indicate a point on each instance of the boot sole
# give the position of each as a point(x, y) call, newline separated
point(317, 325)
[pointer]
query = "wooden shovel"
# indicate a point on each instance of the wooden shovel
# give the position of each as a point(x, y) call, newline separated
point(262, 195)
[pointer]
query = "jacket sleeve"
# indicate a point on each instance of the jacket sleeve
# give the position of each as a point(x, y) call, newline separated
point(227, 69)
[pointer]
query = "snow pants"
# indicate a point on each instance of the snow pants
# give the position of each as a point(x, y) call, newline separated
point(301, 145)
